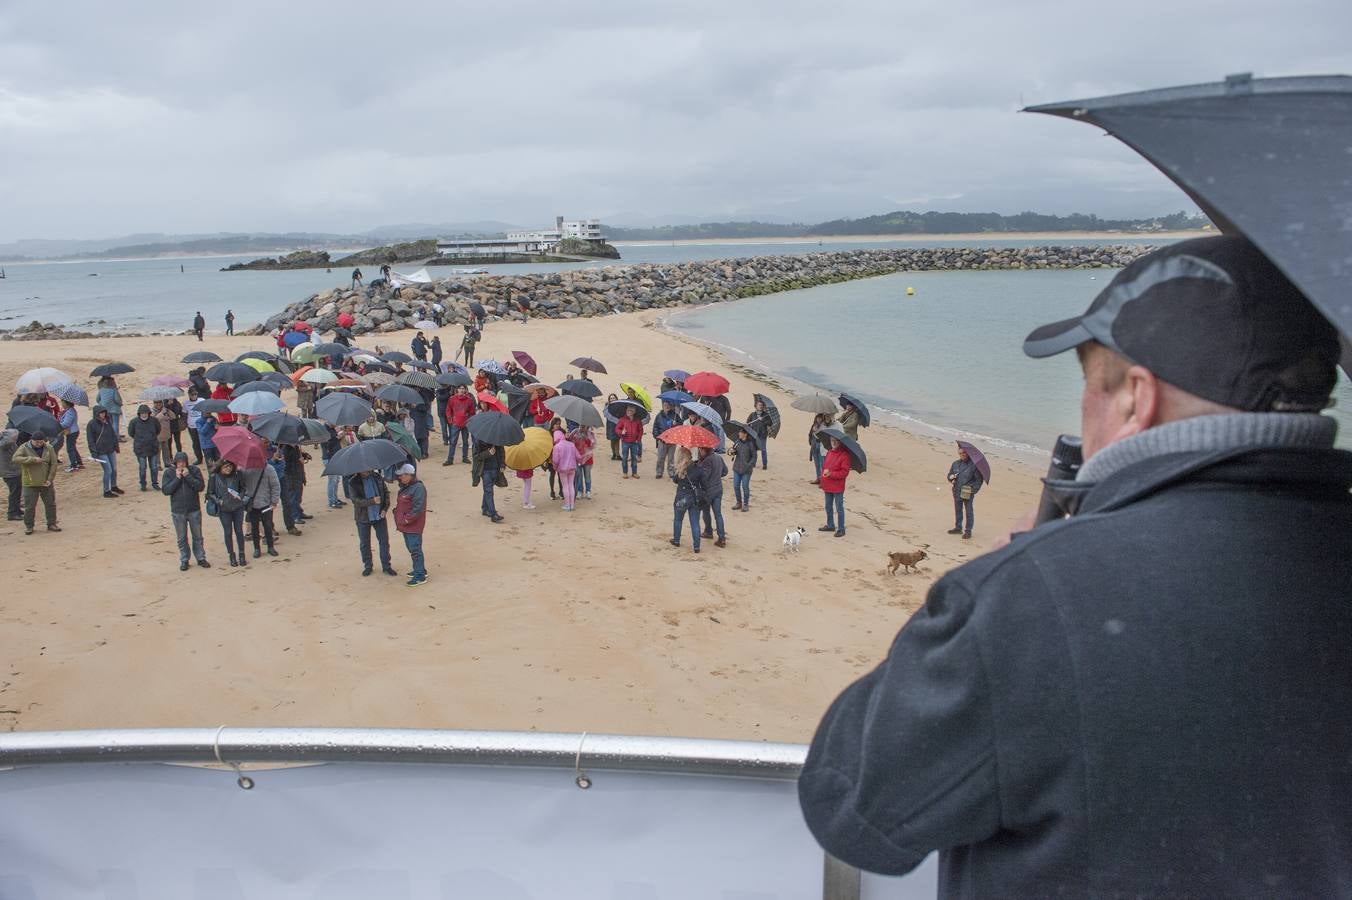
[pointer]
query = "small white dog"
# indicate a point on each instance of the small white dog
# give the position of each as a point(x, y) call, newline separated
point(793, 538)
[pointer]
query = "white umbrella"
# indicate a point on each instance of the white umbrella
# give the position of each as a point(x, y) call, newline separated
point(161, 392)
point(41, 381)
point(257, 403)
point(319, 376)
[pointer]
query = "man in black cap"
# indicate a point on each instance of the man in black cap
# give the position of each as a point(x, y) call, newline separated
point(1151, 697)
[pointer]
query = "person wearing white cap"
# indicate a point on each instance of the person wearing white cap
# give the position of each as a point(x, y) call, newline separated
point(410, 515)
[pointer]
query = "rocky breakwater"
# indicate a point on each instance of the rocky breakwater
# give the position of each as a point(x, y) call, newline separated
point(48, 331)
point(614, 289)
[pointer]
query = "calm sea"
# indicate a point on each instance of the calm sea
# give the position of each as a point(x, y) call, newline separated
point(945, 361)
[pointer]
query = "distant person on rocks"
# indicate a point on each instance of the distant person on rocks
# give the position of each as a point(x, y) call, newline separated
point(144, 431)
point(356, 279)
point(102, 439)
point(199, 324)
point(410, 516)
point(385, 271)
point(227, 494)
point(436, 351)
point(182, 485)
point(419, 346)
point(370, 502)
point(13, 477)
point(37, 461)
point(229, 321)
point(966, 480)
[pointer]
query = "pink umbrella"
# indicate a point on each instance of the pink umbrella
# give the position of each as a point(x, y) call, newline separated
point(170, 381)
point(241, 447)
point(525, 360)
point(979, 458)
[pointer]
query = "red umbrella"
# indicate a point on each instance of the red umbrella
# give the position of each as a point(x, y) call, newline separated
point(491, 400)
point(525, 360)
point(345, 320)
point(241, 446)
point(689, 436)
point(706, 384)
point(979, 458)
point(301, 325)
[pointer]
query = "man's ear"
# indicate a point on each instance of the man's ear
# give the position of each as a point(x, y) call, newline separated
point(1138, 399)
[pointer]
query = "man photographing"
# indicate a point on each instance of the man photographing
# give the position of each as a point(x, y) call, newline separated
point(1150, 698)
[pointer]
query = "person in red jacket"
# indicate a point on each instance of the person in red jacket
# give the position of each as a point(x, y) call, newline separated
point(538, 410)
point(629, 429)
point(835, 469)
point(222, 392)
point(458, 410)
point(410, 515)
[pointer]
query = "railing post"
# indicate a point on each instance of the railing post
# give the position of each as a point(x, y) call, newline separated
point(840, 881)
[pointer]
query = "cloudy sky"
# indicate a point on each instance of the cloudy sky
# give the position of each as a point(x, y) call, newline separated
point(184, 117)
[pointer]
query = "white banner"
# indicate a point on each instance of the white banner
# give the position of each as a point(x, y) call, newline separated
point(389, 831)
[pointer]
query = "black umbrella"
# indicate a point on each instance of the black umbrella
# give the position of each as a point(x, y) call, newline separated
point(232, 373)
point(366, 456)
point(518, 401)
point(521, 379)
point(494, 428)
point(395, 356)
point(731, 427)
point(201, 356)
point(343, 409)
point(31, 420)
point(335, 351)
point(858, 460)
point(257, 354)
point(398, 393)
point(249, 387)
point(112, 368)
point(280, 428)
point(1264, 158)
point(381, 367)
point(454, 379)
point(578, 387)
point(772, 411)
point(859, 408)
point(478, 309)
point(590, 364)
point(421, 364)
point(617, 407)
point(213, 406)
point(277, 378)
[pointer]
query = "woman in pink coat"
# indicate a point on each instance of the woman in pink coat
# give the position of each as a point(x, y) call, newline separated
point(565, 463)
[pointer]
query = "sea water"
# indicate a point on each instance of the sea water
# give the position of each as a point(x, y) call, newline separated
point(946, 361)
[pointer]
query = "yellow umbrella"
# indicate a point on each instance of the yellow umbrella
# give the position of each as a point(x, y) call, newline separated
point(258, 365)
point(528, 454)
point(639, 394)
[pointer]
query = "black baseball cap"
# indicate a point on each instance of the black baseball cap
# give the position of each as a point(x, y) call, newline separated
point(1214, 317)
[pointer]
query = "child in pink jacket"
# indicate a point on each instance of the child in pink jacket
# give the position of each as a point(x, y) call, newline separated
point(565, 463)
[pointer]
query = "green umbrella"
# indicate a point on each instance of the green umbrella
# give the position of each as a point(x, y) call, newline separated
point(305, 355)
point(401, 436)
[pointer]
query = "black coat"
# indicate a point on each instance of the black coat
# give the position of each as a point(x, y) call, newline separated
point(101, 436)
point(1149, 699)
point(219, 487)
point(144, 434)
point(183, 492)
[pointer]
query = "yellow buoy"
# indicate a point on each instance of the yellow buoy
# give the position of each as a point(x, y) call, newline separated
point(910, 292)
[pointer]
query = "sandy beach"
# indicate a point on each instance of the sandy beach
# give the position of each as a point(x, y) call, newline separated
point(550, 621)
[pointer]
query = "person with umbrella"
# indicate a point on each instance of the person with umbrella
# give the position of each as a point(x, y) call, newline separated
point(611, 435)
point(835, 471)
point(193, 419)
point(459, 409)
point(686, 503)
point(762, 422)
point(565, 463)
point(584, 439)
point(850, 418)
point(36, 460)
point(629, 431)
point(966, 479)
point(712, 469)
point(227, 500)
point(410, 517)
point(70, 428)
point(144, 431)
point(165, 417)
point(229, 322)
point(13, 477)
point(206, 434)
point(336, 441)
point(816, 443)
point(199, 325)
point(370, 502)
point(487, 469)
point(110, 399)
point(182, 485)
point(666, 417)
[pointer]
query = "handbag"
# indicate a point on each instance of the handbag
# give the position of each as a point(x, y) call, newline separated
point(213, 508)
point(965, 492)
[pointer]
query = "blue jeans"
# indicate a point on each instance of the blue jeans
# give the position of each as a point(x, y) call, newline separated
point(487, 507)
point(457, 433)
point(835, 503)
point(960, 506)
point(678, 516)
point(333, 489)
point(741, 487)
point(765, 452)
point(109, 464)
point(290, 503)
point(630, 453)
point(817, 459)
point(713, 515)
point(232, 523)
point(154, 464)
point(73, 451)
point(382, 529)
point(582, 480)
point(413, 542)
point(445, 424)
point(183, 525)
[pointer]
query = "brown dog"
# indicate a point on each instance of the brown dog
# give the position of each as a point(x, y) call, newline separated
point(909, 560)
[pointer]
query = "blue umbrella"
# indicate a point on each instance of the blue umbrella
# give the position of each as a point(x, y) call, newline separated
point(295, 339)
point(676, 375)
point(676, 397)
point(492, 367)
point(257, 403)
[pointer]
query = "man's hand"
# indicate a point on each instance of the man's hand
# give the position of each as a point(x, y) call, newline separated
point(1022, 524)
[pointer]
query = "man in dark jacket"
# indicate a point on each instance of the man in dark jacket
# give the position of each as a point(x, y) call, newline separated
point(9, 442)
point(1149, 698)
point(419, 346)
point(966, 480)
point(370, 502)
point(144, 431)
point(182, 485)
point(410, 515)
point(101, 436)
point(199, 324)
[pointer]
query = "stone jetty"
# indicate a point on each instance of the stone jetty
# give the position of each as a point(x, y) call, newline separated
point(623, 288)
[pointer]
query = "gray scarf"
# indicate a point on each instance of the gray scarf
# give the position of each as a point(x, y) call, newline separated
point(1210, 433)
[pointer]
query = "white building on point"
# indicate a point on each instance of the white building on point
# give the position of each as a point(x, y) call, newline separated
point(537, 240)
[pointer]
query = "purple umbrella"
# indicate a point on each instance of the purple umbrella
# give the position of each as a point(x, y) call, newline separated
point(979, 458)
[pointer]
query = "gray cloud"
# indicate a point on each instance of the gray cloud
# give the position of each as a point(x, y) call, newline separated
point(161, 116)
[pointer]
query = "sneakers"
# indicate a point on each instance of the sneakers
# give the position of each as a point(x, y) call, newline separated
point(588, 495)
point(955, 531)
point(415, 581)
point(53, 527)
point(109, 495)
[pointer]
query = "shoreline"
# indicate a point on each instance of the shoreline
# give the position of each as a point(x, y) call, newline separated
point(549, 621)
